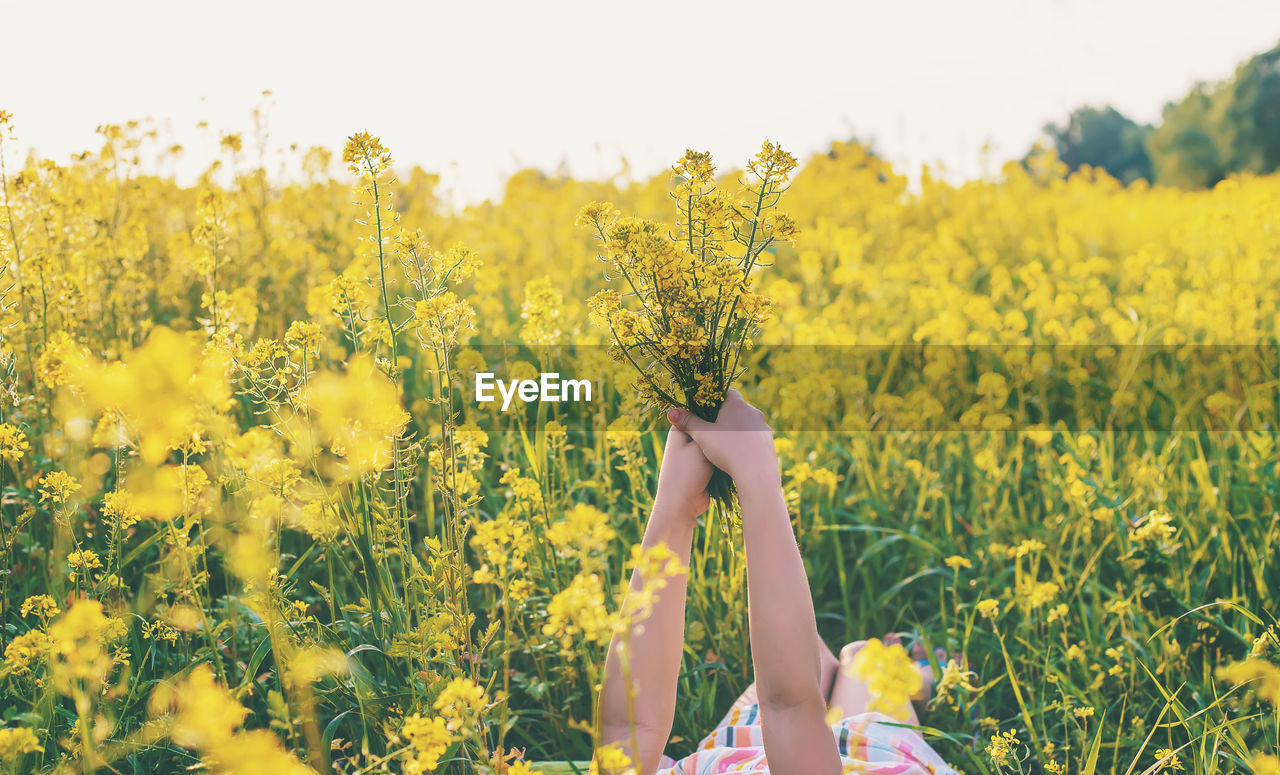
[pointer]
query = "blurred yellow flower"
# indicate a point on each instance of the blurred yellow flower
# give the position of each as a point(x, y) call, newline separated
point(891, 677)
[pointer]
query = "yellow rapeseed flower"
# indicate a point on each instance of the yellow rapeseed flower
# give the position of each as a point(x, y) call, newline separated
point(57, 487)
point(42, 606)
point(1259, 675)
point(890, 674)
point(204, 714)
point(16, 742)
point(579, 610)
point(13, 443)
point(1002, 748)
point(429, 739)
point(1265, 764)
point(460, 704)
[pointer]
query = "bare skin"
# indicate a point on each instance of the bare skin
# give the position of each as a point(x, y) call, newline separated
point(656, 646)
point(796, 674)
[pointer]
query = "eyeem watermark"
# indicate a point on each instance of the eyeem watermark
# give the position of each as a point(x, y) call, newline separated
point(548, 387)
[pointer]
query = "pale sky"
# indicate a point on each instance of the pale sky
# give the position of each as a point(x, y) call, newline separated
point(474, 90)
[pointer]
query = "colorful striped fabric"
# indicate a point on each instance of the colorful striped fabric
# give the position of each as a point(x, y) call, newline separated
point(867, 743)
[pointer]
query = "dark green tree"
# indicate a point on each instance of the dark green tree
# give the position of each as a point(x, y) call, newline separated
point(1102, 137)
point(1251, 115)
point(1220, 128)
point(1186, 149)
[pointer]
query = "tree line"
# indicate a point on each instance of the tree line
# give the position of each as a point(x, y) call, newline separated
point(1216, 129)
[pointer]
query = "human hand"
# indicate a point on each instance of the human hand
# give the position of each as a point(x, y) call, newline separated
point(682, 481)
point(739, 442)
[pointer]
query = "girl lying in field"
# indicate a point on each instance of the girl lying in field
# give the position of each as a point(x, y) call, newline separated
point(780, 724)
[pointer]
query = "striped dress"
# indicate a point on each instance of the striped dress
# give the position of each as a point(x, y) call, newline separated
point(867, 743)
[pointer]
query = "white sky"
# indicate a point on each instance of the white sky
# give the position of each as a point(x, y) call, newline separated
point(474, 90)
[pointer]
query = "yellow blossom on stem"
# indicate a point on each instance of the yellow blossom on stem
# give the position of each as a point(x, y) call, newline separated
point(57, 487)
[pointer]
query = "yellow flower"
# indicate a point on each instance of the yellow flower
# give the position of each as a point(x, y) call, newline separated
point(57, 486)
point(891, 677)
point(696, 166)
point(1029, 546)
point(1154, 529)
point(522, 768)
point(541, 312)
point(1035, 594)
point(460, 705)
point(1262, 676)
point(525, 492)
point(956, 562)
point(502, 542)
point(1039, 436)
point(13, 443)
point(159, 630)
point(610, 760)
point(655, 566)
point(364, 152)
point(25, 651)
point(1264, 643)
point(165, 391)
point(1119, 607)
point(579, 610)
point(442, 319)
point(16, 742)
point(772, 162)
point(428, 738)
point(83, 562)
point(256, 751)
point(1167, 760)
point(358, 412)
point(205, 715)
point(53, 365)
point(989, 608)
point(954, 678)
point(584, 528)
point(1265, 764)
point(119, 506)
point(42, 606)
point(79, 640)
point(1001, 749)
point(691, 309)
point(596, 214)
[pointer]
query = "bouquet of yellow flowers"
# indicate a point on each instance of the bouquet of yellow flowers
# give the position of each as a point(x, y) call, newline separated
point(686, 307)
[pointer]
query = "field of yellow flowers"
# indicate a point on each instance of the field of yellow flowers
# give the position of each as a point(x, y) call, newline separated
point(252, 521)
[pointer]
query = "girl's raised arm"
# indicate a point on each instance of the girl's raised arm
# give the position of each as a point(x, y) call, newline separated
point(784, 631)
point(656, 645)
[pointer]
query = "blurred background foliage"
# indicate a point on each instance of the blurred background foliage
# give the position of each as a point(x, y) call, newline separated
point(1215, 130)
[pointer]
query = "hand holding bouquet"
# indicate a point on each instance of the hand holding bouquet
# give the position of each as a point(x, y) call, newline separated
point(685, 306)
